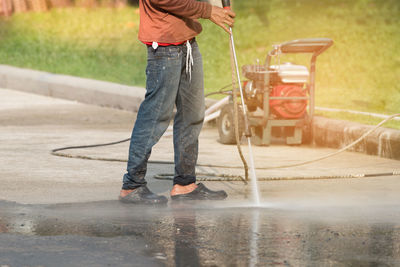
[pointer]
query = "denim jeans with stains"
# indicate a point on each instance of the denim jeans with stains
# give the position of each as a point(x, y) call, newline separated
point(168, 84)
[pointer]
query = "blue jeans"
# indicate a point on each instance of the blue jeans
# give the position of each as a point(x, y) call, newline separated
point(168, 84)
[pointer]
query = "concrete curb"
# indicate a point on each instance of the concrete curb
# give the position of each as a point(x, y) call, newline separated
point(72, 88)
point(333, 133)
point(327, 132)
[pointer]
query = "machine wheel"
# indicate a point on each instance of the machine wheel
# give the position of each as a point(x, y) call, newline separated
point(226, 125)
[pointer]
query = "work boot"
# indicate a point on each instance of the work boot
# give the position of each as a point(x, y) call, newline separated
point(201, 192)
point(143, 195)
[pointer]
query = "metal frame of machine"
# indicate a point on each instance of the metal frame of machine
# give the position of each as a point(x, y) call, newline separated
point(264, 79)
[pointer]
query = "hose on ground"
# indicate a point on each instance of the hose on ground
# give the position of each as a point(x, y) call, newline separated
point(207, 177)
point(225, 177)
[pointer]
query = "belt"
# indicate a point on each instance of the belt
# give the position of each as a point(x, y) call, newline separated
point(189, 55)
point(170, 44)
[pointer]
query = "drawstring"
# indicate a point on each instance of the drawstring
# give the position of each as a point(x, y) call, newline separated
point(189, 59)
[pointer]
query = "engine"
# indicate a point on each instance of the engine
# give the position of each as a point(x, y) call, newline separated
point(285, 80)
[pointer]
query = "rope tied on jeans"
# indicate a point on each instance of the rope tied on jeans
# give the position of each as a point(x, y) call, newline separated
point(189, 59)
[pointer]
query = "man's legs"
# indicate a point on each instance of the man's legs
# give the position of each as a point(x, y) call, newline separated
point(168, 82)
point(188, 121)
point(187, 125)
point(163, 77)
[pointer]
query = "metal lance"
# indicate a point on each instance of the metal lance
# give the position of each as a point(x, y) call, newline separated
point(256, 195)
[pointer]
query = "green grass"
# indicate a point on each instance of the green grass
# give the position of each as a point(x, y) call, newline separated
point(99, 43)
point(361, 71)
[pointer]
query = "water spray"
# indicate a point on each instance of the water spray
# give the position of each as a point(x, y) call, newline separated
point(247, 131)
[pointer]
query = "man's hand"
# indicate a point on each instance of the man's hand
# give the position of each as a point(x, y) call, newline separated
point(222, 17)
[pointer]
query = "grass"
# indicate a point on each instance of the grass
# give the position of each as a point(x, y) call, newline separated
point(361, 71)
point(99, 43)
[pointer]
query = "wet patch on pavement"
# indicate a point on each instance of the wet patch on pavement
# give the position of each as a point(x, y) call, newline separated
point(198, 234)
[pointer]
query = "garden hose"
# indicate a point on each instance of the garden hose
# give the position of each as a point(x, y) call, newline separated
point(221, 91)
point(214, 177)
point(225, 177)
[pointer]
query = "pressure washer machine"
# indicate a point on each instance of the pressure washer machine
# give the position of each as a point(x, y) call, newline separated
point(279, 98)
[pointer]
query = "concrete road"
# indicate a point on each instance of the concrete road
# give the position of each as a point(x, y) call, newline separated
point(68, 203)
point(32, 125)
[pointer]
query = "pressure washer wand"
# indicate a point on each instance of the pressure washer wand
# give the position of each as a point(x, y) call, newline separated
point(247, 131)
point(227, 5)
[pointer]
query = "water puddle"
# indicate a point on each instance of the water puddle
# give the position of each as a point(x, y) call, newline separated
point(224, 233)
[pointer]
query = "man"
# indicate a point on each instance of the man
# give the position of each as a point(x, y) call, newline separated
point(174, 77)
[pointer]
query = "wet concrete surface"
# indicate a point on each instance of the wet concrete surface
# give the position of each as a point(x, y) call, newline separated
point(199, 234)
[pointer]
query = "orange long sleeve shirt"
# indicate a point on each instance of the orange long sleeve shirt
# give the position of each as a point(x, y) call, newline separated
point(171, 21)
